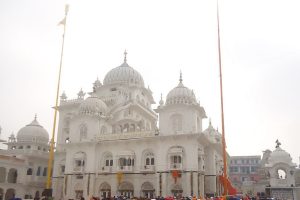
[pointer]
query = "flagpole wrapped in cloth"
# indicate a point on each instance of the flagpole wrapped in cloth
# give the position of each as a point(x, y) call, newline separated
point(48, 190)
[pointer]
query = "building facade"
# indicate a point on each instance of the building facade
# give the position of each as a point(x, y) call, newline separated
point(243, 170)
point(109, 143)
point(23, 166)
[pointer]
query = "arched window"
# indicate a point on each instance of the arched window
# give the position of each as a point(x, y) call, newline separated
point(149, 158)
point(38, 172)
point(122, 162)
point(12, 176)
point(175, 156)
point(79, 161)
point(2, 174)
point(29, 171)
point(82, 132)
point(45, 171)
point(176, 159)
point(281, 174)
point(108, 160)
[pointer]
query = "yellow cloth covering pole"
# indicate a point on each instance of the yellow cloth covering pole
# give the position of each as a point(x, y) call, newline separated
point(51, 153)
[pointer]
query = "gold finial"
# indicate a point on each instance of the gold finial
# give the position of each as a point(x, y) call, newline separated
point(125, 56)
point(180, 78)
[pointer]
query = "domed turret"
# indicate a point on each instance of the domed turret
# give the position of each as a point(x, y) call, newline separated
point(33, 132)
point(280, 156)
point(212, 133)
point(124, 74)
point(93, 106)
point(181, 95)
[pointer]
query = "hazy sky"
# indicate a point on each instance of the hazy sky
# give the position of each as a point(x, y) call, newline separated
point(260, 49)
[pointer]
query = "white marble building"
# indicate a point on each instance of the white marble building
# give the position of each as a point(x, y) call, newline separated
point(23, 165)
point(109, 143)
point(280, 174)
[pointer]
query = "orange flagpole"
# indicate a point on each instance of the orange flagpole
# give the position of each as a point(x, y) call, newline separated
point(222, 109)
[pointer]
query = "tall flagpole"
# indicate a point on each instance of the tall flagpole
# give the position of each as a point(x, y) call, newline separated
point(222, 110)
point(51, 153)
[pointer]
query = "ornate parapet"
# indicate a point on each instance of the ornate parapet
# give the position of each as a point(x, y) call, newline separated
point(124, 136)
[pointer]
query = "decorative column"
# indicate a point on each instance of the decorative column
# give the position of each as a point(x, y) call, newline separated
point(210, 172)
point(187, 184)
point(164, 184)
point(158, 188)
point(195, 184)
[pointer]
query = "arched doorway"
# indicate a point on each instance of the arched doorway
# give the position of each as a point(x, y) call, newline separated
point(9, 194)
point(148, 190)
point(177, 190)
point(2, 174)
point(1, 194)
point(126, 189)
point(12, 176)
point(78, 189)
point(37, 195)
point(104, 191)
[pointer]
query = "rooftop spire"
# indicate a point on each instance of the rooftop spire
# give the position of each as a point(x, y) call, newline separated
point(125, 56)
point(180, 78)
point(35, 116)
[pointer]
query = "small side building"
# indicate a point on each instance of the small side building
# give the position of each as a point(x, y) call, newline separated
point(23, 165)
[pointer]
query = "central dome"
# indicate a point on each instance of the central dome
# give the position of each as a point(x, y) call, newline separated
point(124, 74)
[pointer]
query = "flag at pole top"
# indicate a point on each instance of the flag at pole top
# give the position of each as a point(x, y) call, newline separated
point(63, 21)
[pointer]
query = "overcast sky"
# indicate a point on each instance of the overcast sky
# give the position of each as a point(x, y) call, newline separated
point(260, 54)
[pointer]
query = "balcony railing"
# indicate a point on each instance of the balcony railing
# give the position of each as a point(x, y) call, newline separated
point(78, 169)
point(106, 169)
point(148, 168)
point(175, 166)
point(125, 168)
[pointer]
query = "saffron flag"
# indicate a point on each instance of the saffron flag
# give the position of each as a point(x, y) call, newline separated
point(62, 22)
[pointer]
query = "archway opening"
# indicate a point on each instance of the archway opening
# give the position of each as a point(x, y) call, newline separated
point(126, 189)
point(148, 190)
point(12, 176)
point(281, 174)
point(2, 174)
point(104, 191)
point(10, 193)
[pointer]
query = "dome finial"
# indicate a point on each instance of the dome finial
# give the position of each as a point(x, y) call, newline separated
point(35, 117)
point(180, 78)
point(209, 121)
point(125, 56)
point(277, 144)
point(161, 102)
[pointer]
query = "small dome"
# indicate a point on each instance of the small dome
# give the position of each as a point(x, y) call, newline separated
point(93, 106)
point(97, 83)
point(212, 133)
point(124, 74)
point(280, 156)
point(33, 132)
point(181, 95)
